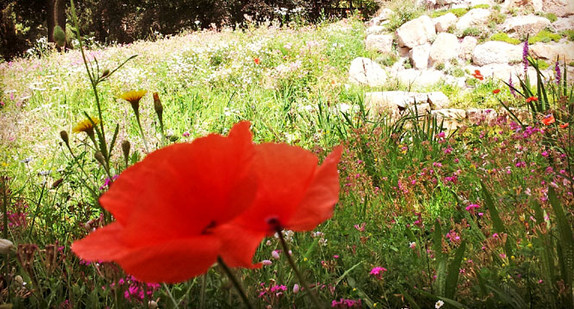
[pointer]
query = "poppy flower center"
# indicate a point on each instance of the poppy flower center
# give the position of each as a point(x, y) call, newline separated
point(209, 228)
point(274, 224)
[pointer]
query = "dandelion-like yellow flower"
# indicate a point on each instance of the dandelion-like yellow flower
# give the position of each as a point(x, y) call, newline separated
point(86, 126)
point(133, 96)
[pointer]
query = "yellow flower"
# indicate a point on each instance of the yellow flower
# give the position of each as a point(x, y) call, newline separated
point(133, 96)
point(86, 126)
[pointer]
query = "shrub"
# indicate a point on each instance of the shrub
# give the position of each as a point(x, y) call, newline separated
point(472, 31)
point(459, 12)
point(551, 17)
point(569, 33)
point(503, 37)
point(544, 36)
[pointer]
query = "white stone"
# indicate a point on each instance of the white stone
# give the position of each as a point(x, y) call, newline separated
point(520, 26)
point(416, 32)
point(382, 43)
point(375, 30)
point(418, 78)
point(474, 18)
point(467, 47)
point(562, 24)
point(442, 23)
point(419, 56)
point(496, 52)
point(550, 51)
point(397, 101)
point(444, 48)
point(364, 71)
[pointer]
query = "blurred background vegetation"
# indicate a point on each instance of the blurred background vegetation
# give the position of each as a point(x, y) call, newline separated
point(24, 23)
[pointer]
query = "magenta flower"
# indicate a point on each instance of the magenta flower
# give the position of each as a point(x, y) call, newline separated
point(378, 272)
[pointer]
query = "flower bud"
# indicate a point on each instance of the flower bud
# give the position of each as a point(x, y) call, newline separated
point(5, 246)
point(152, 304)
point(157, 105)
point(19, 280)
point(100, 158)
point(126, 150)
point(64, 136)
point(105, 74)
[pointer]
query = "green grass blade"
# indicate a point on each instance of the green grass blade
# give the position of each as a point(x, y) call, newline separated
point(453, 271)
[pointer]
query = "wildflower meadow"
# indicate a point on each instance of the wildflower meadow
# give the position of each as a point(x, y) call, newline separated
point(239, 169)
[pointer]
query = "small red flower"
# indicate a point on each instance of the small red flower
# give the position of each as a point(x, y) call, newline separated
point(564, 125)
point(548, 120)
point(496, 91)
point(256, 60)
point(528, 100)
point(478, 75)
point(172, 210)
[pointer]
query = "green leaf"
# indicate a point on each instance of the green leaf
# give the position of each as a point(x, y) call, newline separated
point(453, 271)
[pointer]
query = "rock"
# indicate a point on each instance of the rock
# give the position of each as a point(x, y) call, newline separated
point(520, 26)
point(550, 51)
point(562, 24)
point(385, 14)
point(444, 48)
point(504, 72)
point(425, 78)
point(416, 32)
point(398, 101)
point(467, 47)
point(474, 18)
point(364, 71)
point(419, 56)
point(442, 23)
point(450, 118)
point(375, 30)
point(382, 43)
point(496, 52)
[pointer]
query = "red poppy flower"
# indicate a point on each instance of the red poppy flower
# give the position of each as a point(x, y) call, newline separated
point(173, 207)
point(528, 100)
point(256, 60)
point(294, 193)
point(496, 91)
point(564, 125)
point(548, 120)
point(478, 75)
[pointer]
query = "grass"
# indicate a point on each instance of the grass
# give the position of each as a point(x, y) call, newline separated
point(476, 217)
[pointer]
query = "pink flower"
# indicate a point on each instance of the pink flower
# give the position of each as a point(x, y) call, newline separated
point(472, 207)
point(378, 272)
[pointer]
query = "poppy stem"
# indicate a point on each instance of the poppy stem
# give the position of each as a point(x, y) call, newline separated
point(235, 282)
point(170, 296)
point(310, 292)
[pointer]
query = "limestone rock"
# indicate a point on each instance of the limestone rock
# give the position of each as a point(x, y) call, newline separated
point(550, 51)
point(520, 26)
point(444, 48)
point(562, 24)
point(398, 101)
point(375, 30)
point(442, 23)
point(382, 43)
point(496, 52)
point(474, 18)
point(364, 71)
point(416, 32)
point(424, 78)
point(419, 56)
point(467, 47)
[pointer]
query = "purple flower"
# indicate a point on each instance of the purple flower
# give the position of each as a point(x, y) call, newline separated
point(378, 272)
point(525, 56)
point(557, 70)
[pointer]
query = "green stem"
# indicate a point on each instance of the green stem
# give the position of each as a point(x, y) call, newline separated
point(5, 205)
point(141, 132)
point(235, 282)
point(202, 293)
point(170, 296)
point(310, 292)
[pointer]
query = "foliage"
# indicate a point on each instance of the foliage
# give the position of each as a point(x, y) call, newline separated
point(544, 36)
point(478, 216)
point(501, 36)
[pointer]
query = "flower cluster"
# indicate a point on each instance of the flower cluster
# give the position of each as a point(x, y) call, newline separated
point(187, 205)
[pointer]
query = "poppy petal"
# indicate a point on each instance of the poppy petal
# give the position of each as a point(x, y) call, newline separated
point(172, 261)
point(165, 196)
point(238, 245)
point(284, 173)
point(101, 245)
point(321, 197)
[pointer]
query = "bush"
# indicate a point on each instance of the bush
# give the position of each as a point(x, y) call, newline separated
point(544, 36)
point(503, 37)
point(472, 31)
